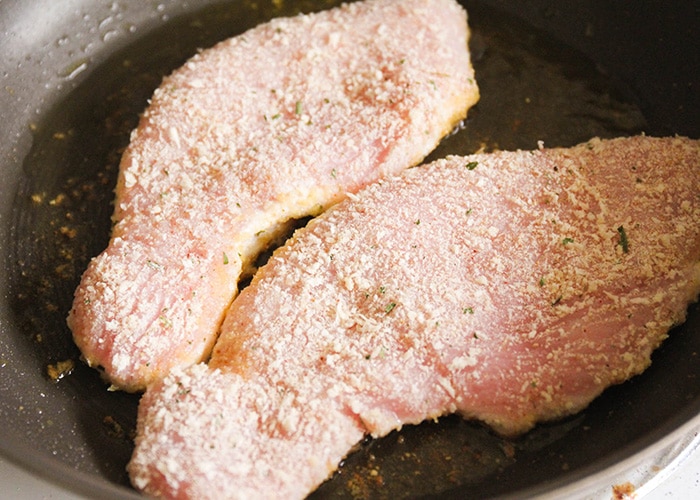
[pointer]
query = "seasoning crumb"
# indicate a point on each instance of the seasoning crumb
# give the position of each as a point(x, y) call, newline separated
point(508, 449)
point(58, 200)
point(114, 428)
point(68, 232)
point(59, 370)
point(623, 491)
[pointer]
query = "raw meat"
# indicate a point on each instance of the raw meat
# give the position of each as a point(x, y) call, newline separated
point(511, 287)
point(272, 125)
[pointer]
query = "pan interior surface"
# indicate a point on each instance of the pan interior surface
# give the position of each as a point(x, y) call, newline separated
point(72, 96)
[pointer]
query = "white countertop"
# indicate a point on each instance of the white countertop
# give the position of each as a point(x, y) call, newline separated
point(18, 484)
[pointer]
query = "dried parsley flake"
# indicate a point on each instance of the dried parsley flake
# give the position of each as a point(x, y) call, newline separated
point(624, 242)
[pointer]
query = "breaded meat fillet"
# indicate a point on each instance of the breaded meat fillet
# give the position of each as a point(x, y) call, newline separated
point(272, 125)
point(511, 287)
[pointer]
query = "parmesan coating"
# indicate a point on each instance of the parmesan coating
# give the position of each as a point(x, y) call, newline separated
point(272, 125)
point(511, 287)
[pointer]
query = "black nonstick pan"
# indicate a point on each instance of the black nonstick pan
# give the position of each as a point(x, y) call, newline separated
point(75, 74)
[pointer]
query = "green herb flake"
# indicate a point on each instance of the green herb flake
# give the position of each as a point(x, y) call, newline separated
point(390, 307)
point(334, 174)
point(624, 242)
point(557, 300)
point(225, 259)
point(541, 282)
point(298, 108)
point(164, 320)
point(471, 165)
point(468, 310)
point(417, 222)
point(154, 265)
point(566, 241)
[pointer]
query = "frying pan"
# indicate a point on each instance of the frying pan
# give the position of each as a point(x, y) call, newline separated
point(76, 74)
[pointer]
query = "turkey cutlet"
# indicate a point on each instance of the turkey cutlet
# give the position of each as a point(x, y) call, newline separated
point(272, 125)
point(511, 288)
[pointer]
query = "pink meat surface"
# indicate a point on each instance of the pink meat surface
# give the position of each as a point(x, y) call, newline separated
point(278, 123)
point(511, 287)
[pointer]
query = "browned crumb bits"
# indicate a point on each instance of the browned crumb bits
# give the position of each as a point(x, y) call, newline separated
point(623, 491)
point(68, 232)
point(59, 370)
point(114, 428)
